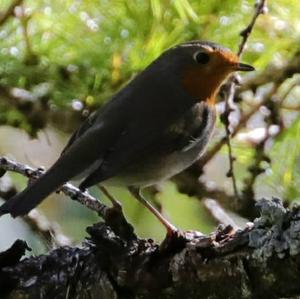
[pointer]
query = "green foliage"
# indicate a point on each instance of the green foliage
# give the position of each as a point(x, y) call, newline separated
point(89, 48)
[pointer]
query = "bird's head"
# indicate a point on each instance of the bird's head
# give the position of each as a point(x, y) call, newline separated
point(203, 67)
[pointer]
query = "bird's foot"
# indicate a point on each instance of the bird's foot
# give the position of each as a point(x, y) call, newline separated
point(116, 204)
point(224, 233)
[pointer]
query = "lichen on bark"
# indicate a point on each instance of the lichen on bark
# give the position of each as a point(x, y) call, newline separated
point(258, 261)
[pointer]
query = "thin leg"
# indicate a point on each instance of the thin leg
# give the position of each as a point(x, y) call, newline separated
point(114, 202)
point(171, 229)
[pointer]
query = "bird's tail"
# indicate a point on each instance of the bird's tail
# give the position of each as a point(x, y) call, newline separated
point(72, 163)
point(29, 198)
point(68, 166)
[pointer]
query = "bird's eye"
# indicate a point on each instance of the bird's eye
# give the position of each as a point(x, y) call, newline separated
point(201, 57)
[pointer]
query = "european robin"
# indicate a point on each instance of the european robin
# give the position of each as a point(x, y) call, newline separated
point(153, 128)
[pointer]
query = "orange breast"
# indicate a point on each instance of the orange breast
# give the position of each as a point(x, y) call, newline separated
point(202, 85)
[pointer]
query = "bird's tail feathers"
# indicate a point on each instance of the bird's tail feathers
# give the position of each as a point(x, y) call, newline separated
point(29, 198)
point(69, 165)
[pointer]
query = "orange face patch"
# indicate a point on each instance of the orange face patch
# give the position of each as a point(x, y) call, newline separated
point(203, 81)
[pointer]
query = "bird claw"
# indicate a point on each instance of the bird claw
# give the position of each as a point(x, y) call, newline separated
point(224, 233)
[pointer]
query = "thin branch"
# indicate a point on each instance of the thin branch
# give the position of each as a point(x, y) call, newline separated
point(260, 8)
point(9, 12)
point(82, 197)
point(274, 118)
point(249, 263)
point(255, 169)
point(226, 122)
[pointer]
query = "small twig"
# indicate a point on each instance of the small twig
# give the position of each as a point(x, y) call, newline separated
point(260, 155)
point(82, 197)
point(218, 213)
point(260, 8)
point(255, 169)
point(9, 12)
point(226, 121)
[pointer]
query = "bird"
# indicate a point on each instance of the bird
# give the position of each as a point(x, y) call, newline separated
point(156, 126)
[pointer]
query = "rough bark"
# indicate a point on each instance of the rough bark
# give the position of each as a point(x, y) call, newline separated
point(261, 260)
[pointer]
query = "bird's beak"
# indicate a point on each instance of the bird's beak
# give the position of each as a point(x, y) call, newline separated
point(244, 67)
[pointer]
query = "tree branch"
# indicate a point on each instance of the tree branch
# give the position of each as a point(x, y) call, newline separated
point(260, 8)
point(251, 263)
point(113, 216)
point(82, 197)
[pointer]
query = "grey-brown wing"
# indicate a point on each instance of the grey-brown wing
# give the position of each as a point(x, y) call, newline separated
point(86, 149)
point(141, 140)
point(86, 125)
point(132, 143)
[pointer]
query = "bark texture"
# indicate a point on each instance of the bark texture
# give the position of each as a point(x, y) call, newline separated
point(260, 261)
